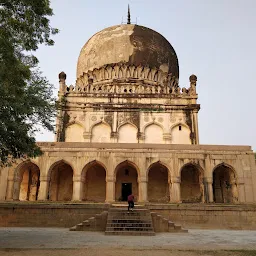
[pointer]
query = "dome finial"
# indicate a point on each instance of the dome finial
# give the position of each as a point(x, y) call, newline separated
point(129, 16)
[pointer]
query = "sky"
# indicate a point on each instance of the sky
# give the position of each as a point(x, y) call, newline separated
point(213, 39)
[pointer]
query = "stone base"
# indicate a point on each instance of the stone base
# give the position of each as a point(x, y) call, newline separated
point(207, 216)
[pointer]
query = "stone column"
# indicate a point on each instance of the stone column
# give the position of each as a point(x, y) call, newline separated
point(9, 190)
point(143, 190)
point(110, 190)
point(43, 189)
point(77, 188)
point(241, 192)
point(209, 190)
point(196, 128)
point(16, 188)
point(175, 190)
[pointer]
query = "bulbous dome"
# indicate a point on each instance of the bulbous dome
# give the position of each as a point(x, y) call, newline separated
point(131, 45)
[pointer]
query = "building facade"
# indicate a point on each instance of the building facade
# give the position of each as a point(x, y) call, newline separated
point(127, 127)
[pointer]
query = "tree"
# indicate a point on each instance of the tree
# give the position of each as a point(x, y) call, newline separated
point(26, 100)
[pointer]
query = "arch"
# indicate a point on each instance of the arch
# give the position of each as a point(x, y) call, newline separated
point(19, 168)
point(158, 185)
point(91, 163)
point(224, 184)
point(125, 163)
point(100, 132)
point(127, 133)
point(94, 182)
point(26, 181)
point(180, 133)
point(74, 132)
point(126, 176)
point(191, 187)
point(154, 135)
point(60, 181)
point(58, 161)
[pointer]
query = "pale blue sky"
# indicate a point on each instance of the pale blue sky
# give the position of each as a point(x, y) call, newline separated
point(214, 39)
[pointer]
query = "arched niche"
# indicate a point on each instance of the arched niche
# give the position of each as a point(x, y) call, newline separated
point(224, 184)
point(94, 182)
point(61, 182)
point(158, 186)
point(28, 182)
point(126, 181)
point(191, 187)
point(180, 134)
point(154, 134)
point(74, 133)
point(101, 133)
point(127, 133)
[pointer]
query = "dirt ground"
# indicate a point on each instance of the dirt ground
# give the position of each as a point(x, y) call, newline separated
point(62, 242)
point(123, 252)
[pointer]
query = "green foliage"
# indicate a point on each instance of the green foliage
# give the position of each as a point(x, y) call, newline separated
point(26, 101)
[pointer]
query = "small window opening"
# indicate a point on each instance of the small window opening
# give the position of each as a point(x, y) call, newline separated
point(179, 127)
point(126, 172)
point(125, 90)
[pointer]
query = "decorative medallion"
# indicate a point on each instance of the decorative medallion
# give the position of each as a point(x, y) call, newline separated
point(173, 119)
point(146, 118)
point(160, 119)
point(94, 118)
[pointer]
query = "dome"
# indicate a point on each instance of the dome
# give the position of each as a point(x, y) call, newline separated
point(131, 45)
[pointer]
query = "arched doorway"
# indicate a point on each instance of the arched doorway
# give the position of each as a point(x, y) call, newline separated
point(94, 182)
point(191, 187)
point(61, 182)
point(224, 185)
point(158, 187)
point(126, 181)
point(28, 178)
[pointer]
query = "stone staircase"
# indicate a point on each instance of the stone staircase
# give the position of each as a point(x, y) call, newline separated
point(118, 221)
point(162, 224)
point(96, 223)
point(136, 223)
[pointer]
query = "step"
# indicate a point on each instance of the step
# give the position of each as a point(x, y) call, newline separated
point(130, 233)
point(129, 229)
point(129, 225)
point(128, 221)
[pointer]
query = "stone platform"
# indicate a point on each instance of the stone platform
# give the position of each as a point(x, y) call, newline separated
point(206, 216)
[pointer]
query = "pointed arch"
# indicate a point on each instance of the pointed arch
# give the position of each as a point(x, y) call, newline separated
point(224, 184)
point(100, 132)
point(180, 133)
point(74, 132)
point(154, 133)
point(192, 186)
point(57, 162)
point(126, 175)
point(26, 181)
point(94, 182)
point(158, 182)
point(60, 181)
point(127, 133)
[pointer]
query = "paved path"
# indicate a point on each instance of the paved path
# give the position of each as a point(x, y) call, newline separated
point(61, 238)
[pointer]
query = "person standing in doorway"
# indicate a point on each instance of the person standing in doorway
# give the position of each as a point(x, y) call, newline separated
point(130, 200)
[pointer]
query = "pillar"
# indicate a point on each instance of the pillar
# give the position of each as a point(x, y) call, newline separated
point(175, 190)
point(241, 192)
point(110, 189)
point(9, 190)
point(77, 188)
point(196, 127)
point(43, 189)
point(16, 188)
point(209, 190)
point(143, 190)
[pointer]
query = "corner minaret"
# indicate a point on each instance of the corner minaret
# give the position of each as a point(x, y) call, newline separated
point(129, 16)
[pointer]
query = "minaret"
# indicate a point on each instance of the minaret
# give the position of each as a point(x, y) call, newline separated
point(129, 16)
